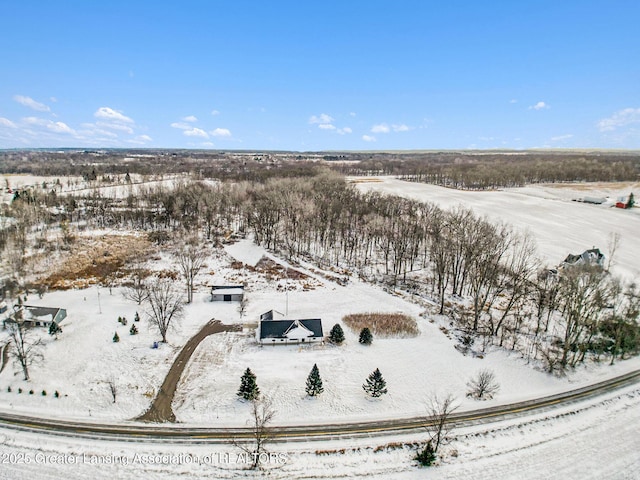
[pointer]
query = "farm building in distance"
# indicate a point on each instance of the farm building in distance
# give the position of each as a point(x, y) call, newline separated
point(285, 332)
point(588, 257)
point(227, 293)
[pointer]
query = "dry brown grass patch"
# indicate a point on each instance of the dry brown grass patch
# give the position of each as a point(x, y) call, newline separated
point(383, 324)
point(96, 260)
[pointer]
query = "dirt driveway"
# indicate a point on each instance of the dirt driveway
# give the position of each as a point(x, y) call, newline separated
point(160, 409)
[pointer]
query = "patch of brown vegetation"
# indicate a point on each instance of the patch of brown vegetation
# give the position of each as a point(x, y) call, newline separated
point(276, 271)
point(95, 260)
point(383, 324)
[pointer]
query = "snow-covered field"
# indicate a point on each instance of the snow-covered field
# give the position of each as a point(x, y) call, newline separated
point(559, 225)
point(83, 360)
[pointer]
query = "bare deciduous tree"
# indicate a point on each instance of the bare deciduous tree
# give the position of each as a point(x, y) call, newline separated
point(165, 305)
point(262, 413)
point(483, 386)
point(25, 349)
point(113, 389)
point(191, 259)
point(439, 412)
point(136, 289)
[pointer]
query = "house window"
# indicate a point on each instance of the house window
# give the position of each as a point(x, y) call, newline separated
point(227, 298)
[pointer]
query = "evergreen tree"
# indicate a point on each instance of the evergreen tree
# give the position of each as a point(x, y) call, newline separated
point(426, 456)
point(375, 385)
point(136, 318)
point(336, 335)
point(54, 329)
point(314, 382)
point(631, 202)
point(116, 337)
point(365, 336)
point(248, 387)
point(133, 330)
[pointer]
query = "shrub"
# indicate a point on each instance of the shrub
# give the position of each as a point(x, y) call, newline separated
point(133, 330)
point(116, 337)
point(426, 456)
point(44, 393)
point(56, 394)
point(483, 386)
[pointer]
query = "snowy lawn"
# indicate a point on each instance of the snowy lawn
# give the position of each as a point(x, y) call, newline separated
point(82, 362)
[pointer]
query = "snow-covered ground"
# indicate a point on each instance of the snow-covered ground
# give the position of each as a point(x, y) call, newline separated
point(559, 225)
point(597, 442)
point(84, 360)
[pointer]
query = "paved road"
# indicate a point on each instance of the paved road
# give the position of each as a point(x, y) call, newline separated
point(160, 409)
point(175, 434)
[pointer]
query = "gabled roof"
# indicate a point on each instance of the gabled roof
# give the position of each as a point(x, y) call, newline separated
point(280, 328)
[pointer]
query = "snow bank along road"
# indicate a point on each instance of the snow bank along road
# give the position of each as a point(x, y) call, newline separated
point(175, 434)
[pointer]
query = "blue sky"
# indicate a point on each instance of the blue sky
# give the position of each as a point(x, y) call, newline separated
point(331, 75)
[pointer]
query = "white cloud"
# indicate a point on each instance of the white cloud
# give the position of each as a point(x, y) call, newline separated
point(400, 128)
point(191, 119)
point(214, 113)
point(181, 126)
point(513, 100)
point(561, 137)
point(539, 106)
point(326, 126)
point(31, 103)
point(344, 131)
point(139, 140)
point(380, 128)
point(106, 113)
point(60, 127)
point(196, 132)
point(207, 144)
point(323, 118)
point(116, 126)
point(368, 138)
point(619, 119)
point(5, 122)
point(352, 114)
point(221, 132)
point(57, 127)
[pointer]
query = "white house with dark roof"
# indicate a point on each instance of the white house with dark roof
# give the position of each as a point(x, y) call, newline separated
point(33, 316)
point(286, 332)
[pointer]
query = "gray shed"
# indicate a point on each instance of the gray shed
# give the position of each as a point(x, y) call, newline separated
point(227, 293)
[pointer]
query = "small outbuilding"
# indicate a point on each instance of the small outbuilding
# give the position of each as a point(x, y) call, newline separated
point(227, 293)
point(286, 332)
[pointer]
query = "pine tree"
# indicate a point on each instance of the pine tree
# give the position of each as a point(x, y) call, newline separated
point(426, 456)
point(314, 382)
point(631, 202)
point(248, 387)
point(365, 336)
point(375, 385)
point(116, 337)
point(54, 329)
point(133, 330)
point(136, 318)
point(336, 335)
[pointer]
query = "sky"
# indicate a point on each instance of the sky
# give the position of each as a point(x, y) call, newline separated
point(311, 76)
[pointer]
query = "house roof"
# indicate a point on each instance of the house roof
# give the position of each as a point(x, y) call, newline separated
point(280, 328)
